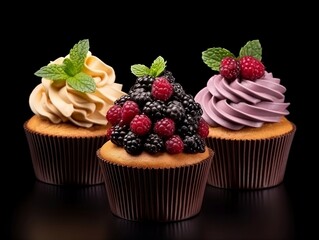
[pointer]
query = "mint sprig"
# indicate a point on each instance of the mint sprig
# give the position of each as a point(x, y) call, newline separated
point(157, 67)
point(212, 57)
point(251, 48)
point(71, 69)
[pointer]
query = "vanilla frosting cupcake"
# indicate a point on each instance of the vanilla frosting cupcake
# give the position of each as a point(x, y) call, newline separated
point(69, 121)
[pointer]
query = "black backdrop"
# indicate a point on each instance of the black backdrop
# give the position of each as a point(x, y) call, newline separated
point(125, 37)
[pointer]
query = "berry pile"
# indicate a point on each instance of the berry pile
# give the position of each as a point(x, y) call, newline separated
point(246, 66)
point(157, 115)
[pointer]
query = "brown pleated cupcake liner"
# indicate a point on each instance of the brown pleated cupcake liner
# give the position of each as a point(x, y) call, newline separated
point(63, 160)
point(161, 195)
point(249, 164)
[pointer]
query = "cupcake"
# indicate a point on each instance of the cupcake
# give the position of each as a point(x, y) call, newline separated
point(245, 107)
point(69, 122)
point(155, 162)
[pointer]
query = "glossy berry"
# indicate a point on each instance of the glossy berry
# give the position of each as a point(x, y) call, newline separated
point(154, 144)
point(203, 128)
point(114, 114)
point(174, 145)
point(140, 124)
point(108, 133)
point(162, 89)
point(132, 143)
point(251, 68)
point(229, 68)
point(129, 110)
point(164, 127)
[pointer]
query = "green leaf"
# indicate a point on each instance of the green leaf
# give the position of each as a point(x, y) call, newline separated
point(158, 66)
point(52, 72)
point(140, 70)
point(78, 54)
point(82, 82)
point(213, 56)
point(69, 68)
point(251, 48)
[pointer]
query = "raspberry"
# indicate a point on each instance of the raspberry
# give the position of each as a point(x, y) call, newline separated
point(174, 145)
point(129, 110)
point(164, 127)
point(140, 124)
point(251, 68)
point(229, 68)
point(113, 115)
point(162, 89)
point(108, 133)
point(203, 128)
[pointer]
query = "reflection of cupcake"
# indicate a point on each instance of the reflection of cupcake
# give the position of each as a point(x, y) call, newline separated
point(69, 121)
point(258, 214)
point(61, 212)
point(156, 162)
point(245, 108)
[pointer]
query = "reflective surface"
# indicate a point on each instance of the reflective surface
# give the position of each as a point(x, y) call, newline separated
point(64, 213)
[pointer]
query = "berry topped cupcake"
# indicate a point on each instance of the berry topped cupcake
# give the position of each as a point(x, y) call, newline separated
point(155, 161)
point(245, 106)
point(69, 123)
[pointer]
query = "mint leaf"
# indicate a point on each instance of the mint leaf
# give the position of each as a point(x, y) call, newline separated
point(213, 56)
point(140, 70)
point(71, 69)
point(78, 54)
point(52, 72)
point(251, 48)
point(82, 82)
point(158, 66)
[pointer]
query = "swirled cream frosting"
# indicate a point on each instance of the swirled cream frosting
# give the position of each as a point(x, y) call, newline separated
point(58, 102)
point(242, 103)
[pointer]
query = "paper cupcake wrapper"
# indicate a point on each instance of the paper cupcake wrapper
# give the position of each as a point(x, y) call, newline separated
point(162, 195)
point(249, 164)
point(65, 160)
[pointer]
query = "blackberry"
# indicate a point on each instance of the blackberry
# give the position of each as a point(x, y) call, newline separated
point(118, 134)
point(194, 144)
point(169, 76)
point(188, 126)
point(178, 91)
point(140, 96)
point(120, 101)
point(132, 143)
point(144, 82)
point(175, 110)
point(155, 109)
point(191, 107)
point(154, 144)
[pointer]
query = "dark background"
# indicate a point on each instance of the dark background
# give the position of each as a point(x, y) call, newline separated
point(122, 38)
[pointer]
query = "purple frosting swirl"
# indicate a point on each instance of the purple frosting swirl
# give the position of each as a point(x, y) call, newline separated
point(241, 103)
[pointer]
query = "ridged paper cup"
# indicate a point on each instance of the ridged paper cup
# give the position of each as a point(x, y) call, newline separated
point(249, 164)
point(155, 194)
point(61, 160)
